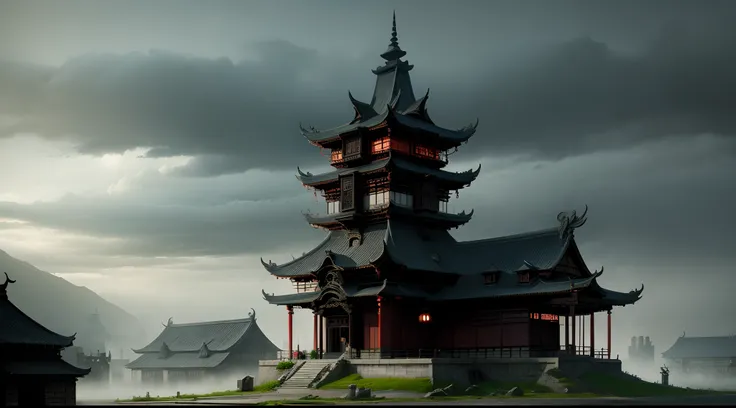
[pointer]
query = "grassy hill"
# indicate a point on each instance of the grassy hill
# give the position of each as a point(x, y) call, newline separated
point(64, 307)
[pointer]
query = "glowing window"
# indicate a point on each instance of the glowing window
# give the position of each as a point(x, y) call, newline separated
point(428, 152)
point(336, 155)
point(380, 145)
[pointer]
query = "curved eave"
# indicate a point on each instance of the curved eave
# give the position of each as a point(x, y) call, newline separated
point(273, 268)
point(306, 298)
point(614, 298)
point(363, 111)
point(451, 220)
point(447, 137)
point(323, 221)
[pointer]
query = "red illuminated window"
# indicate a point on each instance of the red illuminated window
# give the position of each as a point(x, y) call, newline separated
point(428, 152)
point(425, 318)
point(336, 155)
point(524, 277)
point(380, 145)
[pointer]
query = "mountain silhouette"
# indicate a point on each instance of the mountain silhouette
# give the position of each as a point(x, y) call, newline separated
point(66, 308)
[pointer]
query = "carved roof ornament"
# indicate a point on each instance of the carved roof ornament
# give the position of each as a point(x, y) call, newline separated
point(168, 322)
point(252, 314)
point(4, 286)
point(570, 221)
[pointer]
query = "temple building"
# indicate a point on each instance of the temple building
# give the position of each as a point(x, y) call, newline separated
point(203, 351)
point(702, 355)
point(390, 280)
point(31, 369)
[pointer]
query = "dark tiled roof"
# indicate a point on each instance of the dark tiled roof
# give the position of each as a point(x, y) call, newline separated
point(51, 367)
point(454, 137)
point(443, 219)
point(336, 248)
point(473, 287)
point(432, 250)
point(702, 347)
point(18, 328)
point(189, 337)
point(393, 96)
point(308, 297)
point(461, 178)
point(177, 360)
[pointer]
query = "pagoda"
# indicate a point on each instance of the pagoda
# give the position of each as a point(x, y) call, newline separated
point(31, 369)
point(390, 280)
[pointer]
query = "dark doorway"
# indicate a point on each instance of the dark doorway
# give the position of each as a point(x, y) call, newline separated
point(337, 334)
point(31, 391)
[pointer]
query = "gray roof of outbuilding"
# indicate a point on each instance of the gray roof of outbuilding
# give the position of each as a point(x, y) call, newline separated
point(464, 178)
point(17, 327)
point(189, 337)
point(702, 347)
point(177, 360)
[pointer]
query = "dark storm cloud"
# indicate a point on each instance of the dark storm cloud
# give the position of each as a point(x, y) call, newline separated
point(566, 99)
point(656, 205)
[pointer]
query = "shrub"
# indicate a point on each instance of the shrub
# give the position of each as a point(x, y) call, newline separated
point(284, 365)
point(313, 355)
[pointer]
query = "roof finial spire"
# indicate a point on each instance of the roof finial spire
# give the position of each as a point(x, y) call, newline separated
point(393, 52)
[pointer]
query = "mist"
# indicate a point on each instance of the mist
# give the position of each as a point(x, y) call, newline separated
point(90, 391)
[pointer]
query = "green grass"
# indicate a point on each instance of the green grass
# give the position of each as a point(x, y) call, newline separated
point(625, 385)
point(382, 384)
point(265, 387)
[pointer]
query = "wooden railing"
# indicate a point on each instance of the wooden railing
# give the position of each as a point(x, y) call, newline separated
point(584, 351)
point(491, 352)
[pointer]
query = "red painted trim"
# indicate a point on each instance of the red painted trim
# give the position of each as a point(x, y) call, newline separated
point(379, 322)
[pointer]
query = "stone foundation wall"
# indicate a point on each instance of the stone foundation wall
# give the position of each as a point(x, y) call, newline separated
point(401, 368)
point(267, 371)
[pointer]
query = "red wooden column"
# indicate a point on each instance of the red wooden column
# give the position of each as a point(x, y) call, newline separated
point(592, 334)
point(378, 341)
point(314, 334)
point(290, 310)
point(609, 334)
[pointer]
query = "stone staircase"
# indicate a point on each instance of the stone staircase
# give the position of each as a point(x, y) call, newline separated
point(306, 374)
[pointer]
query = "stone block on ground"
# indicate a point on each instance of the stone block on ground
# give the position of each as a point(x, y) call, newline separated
point(245, 384)
point(515, 392)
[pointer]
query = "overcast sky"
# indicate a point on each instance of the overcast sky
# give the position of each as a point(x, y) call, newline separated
point(148, 149)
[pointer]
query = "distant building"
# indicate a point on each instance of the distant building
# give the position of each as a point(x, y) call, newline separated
point(31, 369)
point(206, 350)
point(705, 355)
point(641, 350)
point(93, 337)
